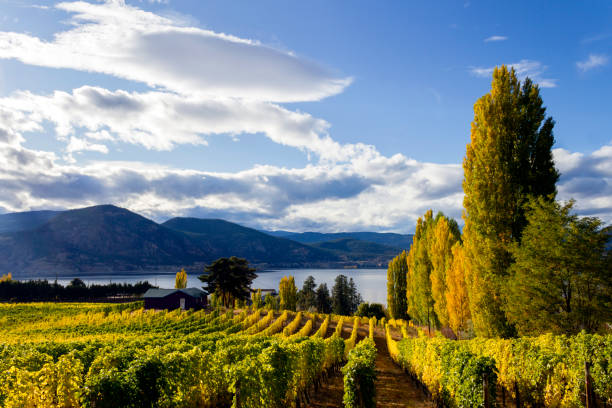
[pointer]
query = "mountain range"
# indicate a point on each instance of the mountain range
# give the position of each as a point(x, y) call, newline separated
point(108, 239)
point(382, 238)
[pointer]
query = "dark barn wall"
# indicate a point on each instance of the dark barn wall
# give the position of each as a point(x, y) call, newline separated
point(173, 300)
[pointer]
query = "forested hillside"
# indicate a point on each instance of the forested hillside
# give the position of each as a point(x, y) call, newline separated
point(399, 241)
point(111, 239)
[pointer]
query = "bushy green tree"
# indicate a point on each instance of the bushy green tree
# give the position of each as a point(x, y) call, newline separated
point(560, 281)
point(345, 298)
point(508, 158)
point(371, 310)
point(307, 296)
point(323, 299)
point(229, 279)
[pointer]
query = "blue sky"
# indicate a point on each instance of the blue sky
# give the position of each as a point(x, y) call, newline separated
point(286, 115)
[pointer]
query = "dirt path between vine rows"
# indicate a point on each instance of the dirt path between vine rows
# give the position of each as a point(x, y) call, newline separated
point(331, 391)
point(394, 388)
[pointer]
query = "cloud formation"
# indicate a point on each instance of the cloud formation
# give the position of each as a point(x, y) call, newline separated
point(162, 120)
point(594, 61)
point(587, 178)
point(116, 39)
point(368, 191)
point(524, 68)
point(344, 187)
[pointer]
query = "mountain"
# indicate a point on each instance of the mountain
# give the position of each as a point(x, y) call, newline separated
point(224, 239)
point(101, 238)
point(399, 241)
point(356, 251)
point(106, 239)
point(24, 221)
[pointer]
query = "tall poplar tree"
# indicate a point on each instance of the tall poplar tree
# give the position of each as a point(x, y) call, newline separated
point(444, 235)
point(180, 281)
point(457, 302)
point(420, 302)
point(508, 158)
point(396, 286)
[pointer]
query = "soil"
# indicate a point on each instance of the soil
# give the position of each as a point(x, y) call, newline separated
point(394, 388)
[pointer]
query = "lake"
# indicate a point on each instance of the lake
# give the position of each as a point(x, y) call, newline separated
point(371, 283)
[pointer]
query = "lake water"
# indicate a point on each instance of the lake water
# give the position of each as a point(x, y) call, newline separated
point(371, 283)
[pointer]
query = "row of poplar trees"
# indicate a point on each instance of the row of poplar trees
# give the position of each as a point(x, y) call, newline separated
point(522, 259)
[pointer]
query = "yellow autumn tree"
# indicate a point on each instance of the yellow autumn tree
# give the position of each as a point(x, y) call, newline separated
point(396, 286)
point(418, 284)
point(6, 278)
point(456, 296)
point(288, 293)
point(508, 158)
point(444, 235)
point(180, 282)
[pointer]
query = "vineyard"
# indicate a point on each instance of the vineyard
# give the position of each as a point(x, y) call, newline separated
point(96, 355)
point(548, 371)
point(88, 355)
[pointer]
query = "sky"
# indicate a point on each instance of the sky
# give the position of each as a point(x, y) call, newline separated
point(301, 116)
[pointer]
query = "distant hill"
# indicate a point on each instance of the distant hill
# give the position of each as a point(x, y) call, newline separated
point(399, 241)
point(107, 239)
point(354, 250)
point(224, 239)
point(25, 221)
point(101, 238)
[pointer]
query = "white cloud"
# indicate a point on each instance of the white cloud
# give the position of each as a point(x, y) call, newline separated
point(495, 38)
point(594, 61)
point(116, 39)
point(162, 120)
point(524, 68)
point(363, 190)
point(587, 178)
point(209, 83)
point(78, 145)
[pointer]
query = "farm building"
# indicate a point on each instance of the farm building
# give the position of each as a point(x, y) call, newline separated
point(190, 298)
